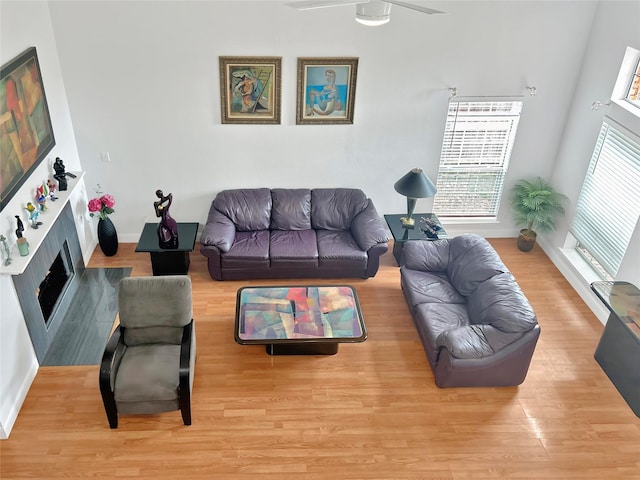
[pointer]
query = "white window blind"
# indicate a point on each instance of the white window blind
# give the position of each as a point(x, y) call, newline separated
point(475, 154)
point(608, 207)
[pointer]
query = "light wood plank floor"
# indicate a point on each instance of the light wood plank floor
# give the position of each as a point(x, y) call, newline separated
point(370, 412)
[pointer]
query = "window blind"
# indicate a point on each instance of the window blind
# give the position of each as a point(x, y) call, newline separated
point(476, 148)
point(608, 207)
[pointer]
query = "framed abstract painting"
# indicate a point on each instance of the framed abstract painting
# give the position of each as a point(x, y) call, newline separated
point(26, 135)
point(326, 90)
point(250, 89)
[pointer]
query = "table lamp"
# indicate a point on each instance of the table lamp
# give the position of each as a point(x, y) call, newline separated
point(414, 185)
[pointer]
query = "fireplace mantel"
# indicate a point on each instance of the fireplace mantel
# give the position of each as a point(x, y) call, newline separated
point(35, 237)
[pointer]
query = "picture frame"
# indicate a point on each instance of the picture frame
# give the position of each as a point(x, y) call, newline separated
point(26, 133)
point(326, 90)
point(250, 89)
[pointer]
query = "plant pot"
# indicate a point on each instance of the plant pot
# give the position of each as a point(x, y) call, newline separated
point(107, 237)
point(526, 240)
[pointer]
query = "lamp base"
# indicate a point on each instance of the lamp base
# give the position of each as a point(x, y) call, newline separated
point(407, 222)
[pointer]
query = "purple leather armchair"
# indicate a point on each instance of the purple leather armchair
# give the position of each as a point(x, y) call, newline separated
point(293, 233)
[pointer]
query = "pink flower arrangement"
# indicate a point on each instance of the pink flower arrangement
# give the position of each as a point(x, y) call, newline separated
point(102, 206)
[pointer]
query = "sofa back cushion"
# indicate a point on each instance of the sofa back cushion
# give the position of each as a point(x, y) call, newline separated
point(291, 209)
point(426, 255)
point(335, 208)
point(472, 260)
point(499, 302)
point(248, 208)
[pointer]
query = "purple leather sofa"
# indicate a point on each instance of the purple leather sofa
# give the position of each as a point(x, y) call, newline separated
point(476, 325)
point(293, 233)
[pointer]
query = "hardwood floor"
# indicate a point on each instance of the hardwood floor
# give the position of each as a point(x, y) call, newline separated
point(370, 412)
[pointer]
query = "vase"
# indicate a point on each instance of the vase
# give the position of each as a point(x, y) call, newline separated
point(107, 237)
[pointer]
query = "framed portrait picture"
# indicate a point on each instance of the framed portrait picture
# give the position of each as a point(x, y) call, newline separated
point(26, 135)
point(250, 89)
point(326, 90)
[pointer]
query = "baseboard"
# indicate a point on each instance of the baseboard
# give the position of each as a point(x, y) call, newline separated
point(581, 285)
point(6, 424)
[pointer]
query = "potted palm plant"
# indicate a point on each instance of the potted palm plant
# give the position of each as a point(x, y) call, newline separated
point(535, 205)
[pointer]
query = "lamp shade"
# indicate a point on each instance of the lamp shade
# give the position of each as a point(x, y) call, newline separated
point(415, 184)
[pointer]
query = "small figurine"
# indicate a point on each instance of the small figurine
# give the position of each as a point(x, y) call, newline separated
point(7, 252)
point(167, 228)
point(20, 227)
point(41, 196)
point(430, 228)
point(52, 189)
point(23, 245)
point(60, 175)
point(33, 215)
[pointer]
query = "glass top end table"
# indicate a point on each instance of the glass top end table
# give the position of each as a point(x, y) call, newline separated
point(427, 227)
point(166, 261)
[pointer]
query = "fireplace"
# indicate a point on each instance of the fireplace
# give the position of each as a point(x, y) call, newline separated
point(47, 286)
point(56, 280)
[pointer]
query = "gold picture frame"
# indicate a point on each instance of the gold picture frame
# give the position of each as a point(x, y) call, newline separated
point(326, 90)
point(250, 89)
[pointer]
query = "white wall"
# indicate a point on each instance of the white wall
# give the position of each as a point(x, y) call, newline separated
point(23, 25)
point(142, 83)
point(616, 27)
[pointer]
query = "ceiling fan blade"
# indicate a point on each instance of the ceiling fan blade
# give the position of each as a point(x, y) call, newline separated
point(413, 6)
point(313, 4)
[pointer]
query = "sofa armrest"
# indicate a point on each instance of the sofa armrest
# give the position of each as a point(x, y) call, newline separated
point(219, 231)
point(475, 341)
point(367, 228)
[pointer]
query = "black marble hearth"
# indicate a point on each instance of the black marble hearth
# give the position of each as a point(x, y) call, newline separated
point(87, 324)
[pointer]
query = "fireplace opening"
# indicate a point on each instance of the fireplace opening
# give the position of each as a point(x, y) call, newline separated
point(55, 283)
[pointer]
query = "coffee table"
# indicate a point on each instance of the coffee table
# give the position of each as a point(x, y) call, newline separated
point(299, 320)
point(166, 261)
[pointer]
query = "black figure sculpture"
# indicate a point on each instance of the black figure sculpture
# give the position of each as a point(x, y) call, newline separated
point(167, 228)
point(60, 175)
point(20, 228)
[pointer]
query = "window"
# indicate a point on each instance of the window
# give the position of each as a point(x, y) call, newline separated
point(477, 145)
point(633, 94)
point(608, 207)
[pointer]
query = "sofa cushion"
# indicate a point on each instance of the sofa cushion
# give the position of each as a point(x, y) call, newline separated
point(427, 287)
point(435, 318)
point(249, 209)
point(335, 208)
point(249, 248)
point(426, 255)
point(338, 245)
point(472, 260)
point(291, 209)
point(293, 244)
point(500, 302)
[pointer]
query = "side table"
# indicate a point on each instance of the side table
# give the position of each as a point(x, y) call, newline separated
point(174, 261)
point(402, 234)
point(618, 351)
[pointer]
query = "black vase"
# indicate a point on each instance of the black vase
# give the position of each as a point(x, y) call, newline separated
point(107, 237)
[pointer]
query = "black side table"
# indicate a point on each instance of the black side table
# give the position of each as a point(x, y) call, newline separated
point(402, 234)
point(174, 261)
point(618, 351)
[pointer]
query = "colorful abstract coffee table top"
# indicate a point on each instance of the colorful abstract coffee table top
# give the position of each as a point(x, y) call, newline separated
point(298, 314)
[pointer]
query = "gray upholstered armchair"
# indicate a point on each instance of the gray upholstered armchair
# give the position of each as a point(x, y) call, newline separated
point(149, 361)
